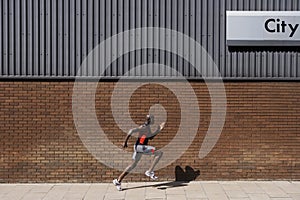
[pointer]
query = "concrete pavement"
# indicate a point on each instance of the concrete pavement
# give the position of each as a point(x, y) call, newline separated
point(212, 190)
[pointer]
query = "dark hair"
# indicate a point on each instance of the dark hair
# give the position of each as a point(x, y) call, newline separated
point(149, 118)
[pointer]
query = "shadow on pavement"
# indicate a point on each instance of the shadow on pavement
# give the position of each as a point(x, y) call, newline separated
point(161, 186)
point(182, 178)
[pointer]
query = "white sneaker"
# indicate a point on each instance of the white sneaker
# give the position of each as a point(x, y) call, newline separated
point(117, 184)
point(151, 175)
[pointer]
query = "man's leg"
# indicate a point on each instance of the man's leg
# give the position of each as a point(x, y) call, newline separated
point(117, 182)
point(128, 169)
point(158, 155)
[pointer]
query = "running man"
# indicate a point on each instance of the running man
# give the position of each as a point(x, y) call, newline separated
point(141, 148)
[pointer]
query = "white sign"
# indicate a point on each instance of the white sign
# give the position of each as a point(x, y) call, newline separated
point(263, 28)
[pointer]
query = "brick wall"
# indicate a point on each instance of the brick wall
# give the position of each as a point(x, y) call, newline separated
point(39, 141)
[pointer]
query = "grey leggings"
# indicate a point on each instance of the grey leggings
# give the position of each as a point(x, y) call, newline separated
point(139, 150)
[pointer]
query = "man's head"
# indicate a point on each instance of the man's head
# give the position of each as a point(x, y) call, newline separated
point(150, 119)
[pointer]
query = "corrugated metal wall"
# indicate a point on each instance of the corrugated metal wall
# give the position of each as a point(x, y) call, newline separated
point(50, 38)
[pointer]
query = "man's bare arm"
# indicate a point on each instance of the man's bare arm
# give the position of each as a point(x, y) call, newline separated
point(159, 129)
point(130, 132)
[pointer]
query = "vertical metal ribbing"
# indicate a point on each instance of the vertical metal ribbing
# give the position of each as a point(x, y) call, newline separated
point(126, 40)
point(216, 35)
point(108, 34)
point(136, 58)
point(162, 15)
point(198, 30)
point(249, 54)
point(11, 38)
point(114, 24)
point(96, 36)
point(228, 54)
point(144, 36)
point(174, 38)
point(243, 57)
point(204, 39)
point(129, 23)
point(30, 55)
point(222, 38)
point(102, 35)
point(66, 39)
point(281, 63)
point(180, 24)
point(296, 5)
point(166, 21)
point(120, 39)
point(186, 31)
point(52, 38)
point(48, 33)
point(210, 31)
point(78, 37)
point(36, 38)
point(84, 34)
point(156, 34)
point(289, 5)
point(51, 46)
point(275, 69)
point(232, 68)
point(149, 38)
point(252, 55)
point(292, 70)
point(192, 29)
point(270, 57)
point(42, 38)
point(284, 64)
point(297, 65)
point(17, 35)
point(72, 40)
point(90, 35)
point(60, 39)
point(4, 46)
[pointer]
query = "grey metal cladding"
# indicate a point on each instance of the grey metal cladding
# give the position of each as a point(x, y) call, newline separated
point(50, 38)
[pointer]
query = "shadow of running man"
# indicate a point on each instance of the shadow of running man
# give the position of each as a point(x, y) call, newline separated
point(186, 176)
point(182, 178)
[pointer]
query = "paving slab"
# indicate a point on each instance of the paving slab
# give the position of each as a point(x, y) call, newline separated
point(259, 197)
point(213, 188)
point(6, 188)
point(57, 192)
point(18, 192)
point(217, 196)
point(288, 187)
point(251, 187)
point(198, 190)
point(96, 192)
point(236, 194)
point(281, 198)
point(176, 197)
point(35, 196)
point(273, 190)
point(295, 196)
point(175, 190)
point(195, 194)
